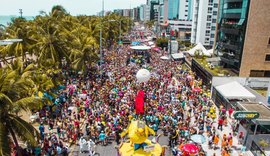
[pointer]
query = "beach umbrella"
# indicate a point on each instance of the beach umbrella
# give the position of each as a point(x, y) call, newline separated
point(189, 148)
point(200, 139)
point(143, 75)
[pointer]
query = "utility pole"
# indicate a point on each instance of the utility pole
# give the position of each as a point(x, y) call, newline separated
point(21, 12)
point(170, 42)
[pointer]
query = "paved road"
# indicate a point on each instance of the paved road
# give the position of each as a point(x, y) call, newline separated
point(109, 150)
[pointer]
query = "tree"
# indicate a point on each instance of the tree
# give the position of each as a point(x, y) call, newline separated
point(84, 51)
point(14, 96)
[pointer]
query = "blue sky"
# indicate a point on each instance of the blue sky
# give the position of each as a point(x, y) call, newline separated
point(75, 7)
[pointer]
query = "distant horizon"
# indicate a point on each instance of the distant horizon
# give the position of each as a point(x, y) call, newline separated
point(75, 8)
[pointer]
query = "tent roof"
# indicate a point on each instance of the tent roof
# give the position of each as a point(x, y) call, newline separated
point(178, 55)
point(199, 46)
point(234, 90)
point(140, 47)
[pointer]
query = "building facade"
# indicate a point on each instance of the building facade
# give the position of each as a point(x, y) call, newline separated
point(204, 22)
point(243, 37)
point(185, 9)
point(173, 9)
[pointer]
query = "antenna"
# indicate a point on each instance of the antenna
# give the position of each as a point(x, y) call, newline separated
point(21, 12)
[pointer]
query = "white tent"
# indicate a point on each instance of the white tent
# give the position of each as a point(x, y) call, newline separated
point(210, 51)
point(164, 57)
point(234, 90)
point(140, 47)
point(201, 48)
point(178, 56)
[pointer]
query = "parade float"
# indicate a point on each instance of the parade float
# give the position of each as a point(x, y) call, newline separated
point(138, 143)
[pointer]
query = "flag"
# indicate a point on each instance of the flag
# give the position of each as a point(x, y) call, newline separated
point(139, 102)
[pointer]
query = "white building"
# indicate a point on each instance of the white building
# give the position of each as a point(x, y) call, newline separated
point(144, 12)
point(185, 9)
point(204, 22)
point(126, 12)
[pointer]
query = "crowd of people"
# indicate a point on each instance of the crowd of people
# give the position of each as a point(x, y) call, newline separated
point(99, 106)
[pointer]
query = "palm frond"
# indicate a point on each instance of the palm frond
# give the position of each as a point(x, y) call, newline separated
point(24, 130)
point(29, 103)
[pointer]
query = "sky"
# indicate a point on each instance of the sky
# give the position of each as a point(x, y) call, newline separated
point(74, 7)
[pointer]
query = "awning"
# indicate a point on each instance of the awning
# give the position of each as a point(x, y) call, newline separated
point(234, 90)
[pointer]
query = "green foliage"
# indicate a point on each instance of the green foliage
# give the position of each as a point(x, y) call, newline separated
point(149, 23)
point(162, 42)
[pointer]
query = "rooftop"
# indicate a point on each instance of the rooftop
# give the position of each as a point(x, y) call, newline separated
point(214, 70)
point(258, 107)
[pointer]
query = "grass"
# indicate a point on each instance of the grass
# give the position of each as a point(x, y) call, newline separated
point(217, 70)
point(263, 92)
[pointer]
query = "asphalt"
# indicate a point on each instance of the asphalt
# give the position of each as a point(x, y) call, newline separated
point(110, 150)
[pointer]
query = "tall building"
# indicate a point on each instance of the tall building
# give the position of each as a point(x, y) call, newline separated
point(144, 12)
point(126, 12)
point(243, 36)
point(153, 5)
point(173, 9)
point(204, 22)
point(185, 9)
point(163, 11)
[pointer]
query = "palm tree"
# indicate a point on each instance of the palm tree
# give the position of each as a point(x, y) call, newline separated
point(14, 96)
point(50, 44)
point(84, 50)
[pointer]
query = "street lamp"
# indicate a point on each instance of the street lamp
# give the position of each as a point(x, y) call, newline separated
point(120, 23)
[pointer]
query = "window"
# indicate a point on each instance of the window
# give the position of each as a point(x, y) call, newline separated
point(269, 41)
point(214, 12)
point(214, 20)
point(209, 18)
point(208, 24)
point(210, 1)
point(186, 10)
point(207, 31)
point(213, 28)
point(212, 35)
point(211, 42)
point(215, 5)
point(256, 73)
point(267, 57)
point(186, 5)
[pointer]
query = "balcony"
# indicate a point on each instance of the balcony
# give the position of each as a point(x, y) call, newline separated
point(228, 1)
point(231, 47)
point(232, 15)
point(230, 61)
point(229, 30)
point(233, 11)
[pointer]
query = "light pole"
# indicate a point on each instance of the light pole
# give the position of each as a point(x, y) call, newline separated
point(100, 39)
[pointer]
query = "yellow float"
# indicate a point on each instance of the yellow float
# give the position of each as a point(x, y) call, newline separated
point(138, 143)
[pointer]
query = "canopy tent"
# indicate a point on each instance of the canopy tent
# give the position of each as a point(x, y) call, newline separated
point(178, 56)
point(210, 51)
point(234, 90)
point(140, 47)
point(135, 43)
point(201, 48)
point(151, 43)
